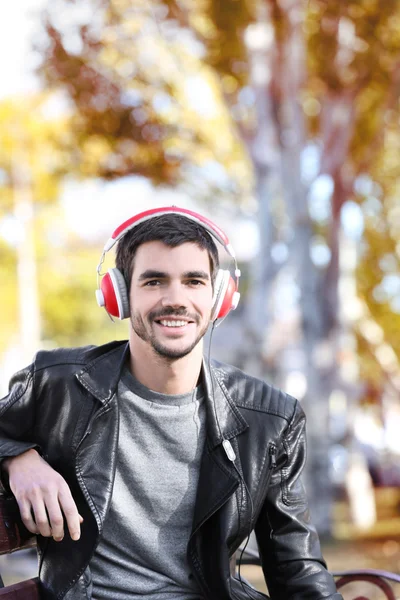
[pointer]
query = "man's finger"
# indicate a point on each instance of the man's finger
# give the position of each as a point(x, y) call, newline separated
point(41, 518)
point(56, 518)
point(71, 514)
point(26, 515)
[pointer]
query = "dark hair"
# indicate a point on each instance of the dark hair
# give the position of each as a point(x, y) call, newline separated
point(171, 229)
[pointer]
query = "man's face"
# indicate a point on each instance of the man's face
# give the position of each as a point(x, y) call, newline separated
point(171, 297)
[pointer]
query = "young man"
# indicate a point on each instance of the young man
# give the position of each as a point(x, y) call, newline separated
point(143, 466)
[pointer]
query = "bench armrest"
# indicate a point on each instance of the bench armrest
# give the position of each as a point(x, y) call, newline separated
point(13, 533)
point(379, 578)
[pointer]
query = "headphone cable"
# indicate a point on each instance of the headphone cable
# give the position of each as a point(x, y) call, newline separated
point(232, 459)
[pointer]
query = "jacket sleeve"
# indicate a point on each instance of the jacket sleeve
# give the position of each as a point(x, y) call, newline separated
point(17, 417)
point(288, 542)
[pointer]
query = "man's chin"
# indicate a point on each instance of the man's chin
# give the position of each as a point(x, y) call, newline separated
point(173, 352)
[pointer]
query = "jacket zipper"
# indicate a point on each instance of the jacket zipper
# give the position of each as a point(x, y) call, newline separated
point(272, 463)
point(272, 457)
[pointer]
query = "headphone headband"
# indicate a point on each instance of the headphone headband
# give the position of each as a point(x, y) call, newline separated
point(112, 292)
point(213, 229)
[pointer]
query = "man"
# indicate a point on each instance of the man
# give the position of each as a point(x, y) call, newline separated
point(141, 466)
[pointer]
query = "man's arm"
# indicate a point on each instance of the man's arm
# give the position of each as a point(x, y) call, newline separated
point(17, 416)
point(43, 496)
point(288, 542)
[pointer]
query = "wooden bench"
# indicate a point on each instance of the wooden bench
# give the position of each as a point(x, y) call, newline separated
point(14, 536)
point(381, 580)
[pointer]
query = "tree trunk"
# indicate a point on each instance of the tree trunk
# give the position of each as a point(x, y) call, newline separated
point(28, 295)
point(315, 343)
point(263, 148)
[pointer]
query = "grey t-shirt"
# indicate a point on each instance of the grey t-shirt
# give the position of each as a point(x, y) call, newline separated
point(143, 548)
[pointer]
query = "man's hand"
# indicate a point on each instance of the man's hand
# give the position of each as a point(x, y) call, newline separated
point(43, 496)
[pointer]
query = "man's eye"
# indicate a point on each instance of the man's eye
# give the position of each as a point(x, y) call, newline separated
point(152, 283)
point(196, 282)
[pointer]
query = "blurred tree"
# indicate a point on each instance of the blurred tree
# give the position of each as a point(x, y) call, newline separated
point(8, 274)
point(28, 142)
point(336, 98)
point(42, 303)
point(67, 279)
point(378, 273)
point(145, 103)
point(29, 167)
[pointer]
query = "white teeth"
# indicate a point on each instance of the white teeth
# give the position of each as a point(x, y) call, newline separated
point(173, 323)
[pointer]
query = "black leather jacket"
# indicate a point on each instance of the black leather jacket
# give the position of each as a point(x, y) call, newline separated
point(65, 405)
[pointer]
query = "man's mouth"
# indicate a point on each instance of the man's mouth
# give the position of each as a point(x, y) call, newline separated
point(172, 323)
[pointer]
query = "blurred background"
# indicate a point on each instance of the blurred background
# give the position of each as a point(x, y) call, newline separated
point(279, 120)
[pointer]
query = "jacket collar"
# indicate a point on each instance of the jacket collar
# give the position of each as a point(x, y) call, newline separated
point(101, 376)
point(224, 421)
point(103, 371)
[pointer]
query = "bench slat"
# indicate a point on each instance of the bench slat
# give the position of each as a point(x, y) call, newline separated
point(25, 590)
point(13, 533)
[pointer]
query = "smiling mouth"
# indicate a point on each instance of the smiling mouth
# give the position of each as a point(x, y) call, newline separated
point(173, 323)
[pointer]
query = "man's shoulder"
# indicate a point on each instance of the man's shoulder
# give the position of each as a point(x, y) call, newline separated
point(79, 356)
point(255, 394)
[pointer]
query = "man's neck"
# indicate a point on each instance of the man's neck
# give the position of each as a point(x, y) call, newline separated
point(164, 375)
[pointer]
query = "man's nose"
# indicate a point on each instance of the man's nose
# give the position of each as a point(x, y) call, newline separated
point(174, 295)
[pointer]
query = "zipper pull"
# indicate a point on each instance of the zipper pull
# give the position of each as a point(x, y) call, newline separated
point(272, 455)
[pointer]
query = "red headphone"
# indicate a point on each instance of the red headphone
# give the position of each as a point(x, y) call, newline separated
point(113, 294)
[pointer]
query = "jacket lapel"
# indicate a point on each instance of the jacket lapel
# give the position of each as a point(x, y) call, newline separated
point(218, 477)
point(101, 376)
point(97, 450)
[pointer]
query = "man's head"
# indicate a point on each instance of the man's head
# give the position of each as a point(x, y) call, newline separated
point(172, 230)
point(169, 264)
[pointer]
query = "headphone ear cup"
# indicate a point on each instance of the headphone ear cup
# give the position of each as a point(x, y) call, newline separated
point(230, 298)
point(115, 294)
point(222, 295)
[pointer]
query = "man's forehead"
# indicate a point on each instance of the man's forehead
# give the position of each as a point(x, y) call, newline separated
point(185, 256)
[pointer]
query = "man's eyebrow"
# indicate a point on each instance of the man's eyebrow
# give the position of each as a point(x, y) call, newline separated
point(196, 275)
point(152, 274)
